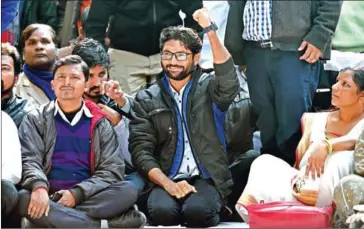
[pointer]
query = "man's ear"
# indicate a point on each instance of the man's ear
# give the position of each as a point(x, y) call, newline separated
point(196, 58)
point(16, 77)
point(52, 84)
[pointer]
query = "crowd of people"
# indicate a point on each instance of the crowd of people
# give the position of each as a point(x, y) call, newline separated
point(123, 114)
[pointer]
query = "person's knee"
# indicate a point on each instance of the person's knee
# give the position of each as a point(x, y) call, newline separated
point(129, 191)
point(262, 161)
point(163, 214)
point(9, 197)
point(199, 215)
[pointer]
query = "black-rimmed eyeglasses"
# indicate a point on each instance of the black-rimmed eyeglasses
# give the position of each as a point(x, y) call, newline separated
point(180, 56)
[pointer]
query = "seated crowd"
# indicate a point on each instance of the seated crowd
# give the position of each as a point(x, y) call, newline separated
point(79, 152)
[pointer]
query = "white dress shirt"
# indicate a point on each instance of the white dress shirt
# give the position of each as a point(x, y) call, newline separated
point(188, 166)
point(11, 162)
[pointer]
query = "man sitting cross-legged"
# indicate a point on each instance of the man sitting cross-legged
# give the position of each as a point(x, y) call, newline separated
point(177, 138)
point(70, 148)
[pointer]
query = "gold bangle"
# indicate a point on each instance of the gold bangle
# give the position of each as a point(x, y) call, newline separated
point(328, 145)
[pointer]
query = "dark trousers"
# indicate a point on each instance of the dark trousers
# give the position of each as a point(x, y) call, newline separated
point(281, 88)
point(199, 209)
point(109, 203)
point(9, 199)
point(136, 179)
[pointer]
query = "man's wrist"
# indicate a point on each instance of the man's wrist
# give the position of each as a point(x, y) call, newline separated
point(206, 25)
point(38, 184)
point(210, 27)
point(40, 188)
point(166, 183)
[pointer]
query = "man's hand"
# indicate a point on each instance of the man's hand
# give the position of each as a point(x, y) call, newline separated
point(39, 203)
point(312, 54)
point(180, 189)
point(67, 198)
point(112, 90)
point(113, 116)
point(316, 161)
point(202, 17)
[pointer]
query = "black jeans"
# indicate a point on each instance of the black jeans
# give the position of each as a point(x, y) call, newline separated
point(9, 199)
point(199, 209)
point(109, 203)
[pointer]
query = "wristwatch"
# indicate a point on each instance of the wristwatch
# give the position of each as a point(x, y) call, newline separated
point(213, 26)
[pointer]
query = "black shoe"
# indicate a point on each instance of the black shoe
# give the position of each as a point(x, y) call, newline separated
point(131, 219)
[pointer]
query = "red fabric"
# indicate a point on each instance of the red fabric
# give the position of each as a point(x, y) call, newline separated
point(289, 215)
point(97, 114)
point(7, 36)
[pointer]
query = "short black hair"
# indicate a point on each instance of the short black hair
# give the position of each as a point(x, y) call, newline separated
point(187, 36)
point(8, 50)
point(92, 52)
point(72, 60)
point(30, 29)
point(358, 76)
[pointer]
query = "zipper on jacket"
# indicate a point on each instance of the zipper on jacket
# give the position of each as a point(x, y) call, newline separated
point(184, 123)
point(92, 147)
point(174, 104)
point(179, 166)
point(198, 162)
point(50, 161)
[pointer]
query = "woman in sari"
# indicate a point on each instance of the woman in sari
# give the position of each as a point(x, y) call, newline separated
point(349, 193)
point(323, 156)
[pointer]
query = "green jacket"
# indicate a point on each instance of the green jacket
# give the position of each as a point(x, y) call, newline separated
point(349, 33)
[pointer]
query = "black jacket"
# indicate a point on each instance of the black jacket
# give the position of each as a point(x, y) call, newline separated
point(136, 25)
point(39, 11)
point(156, 130)
point(16, 108)
point(240, 124)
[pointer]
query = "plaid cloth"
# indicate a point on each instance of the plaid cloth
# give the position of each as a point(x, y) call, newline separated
point(257, 20)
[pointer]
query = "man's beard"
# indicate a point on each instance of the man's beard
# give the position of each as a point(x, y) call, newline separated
point(6, 91)
point(95, 96)
point(181, 76)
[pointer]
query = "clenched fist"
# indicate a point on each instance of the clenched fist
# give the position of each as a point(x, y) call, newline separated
point(113, 91)
point(202, 17)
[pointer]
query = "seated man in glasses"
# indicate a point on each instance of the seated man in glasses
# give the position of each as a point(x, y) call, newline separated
point(177, 138)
